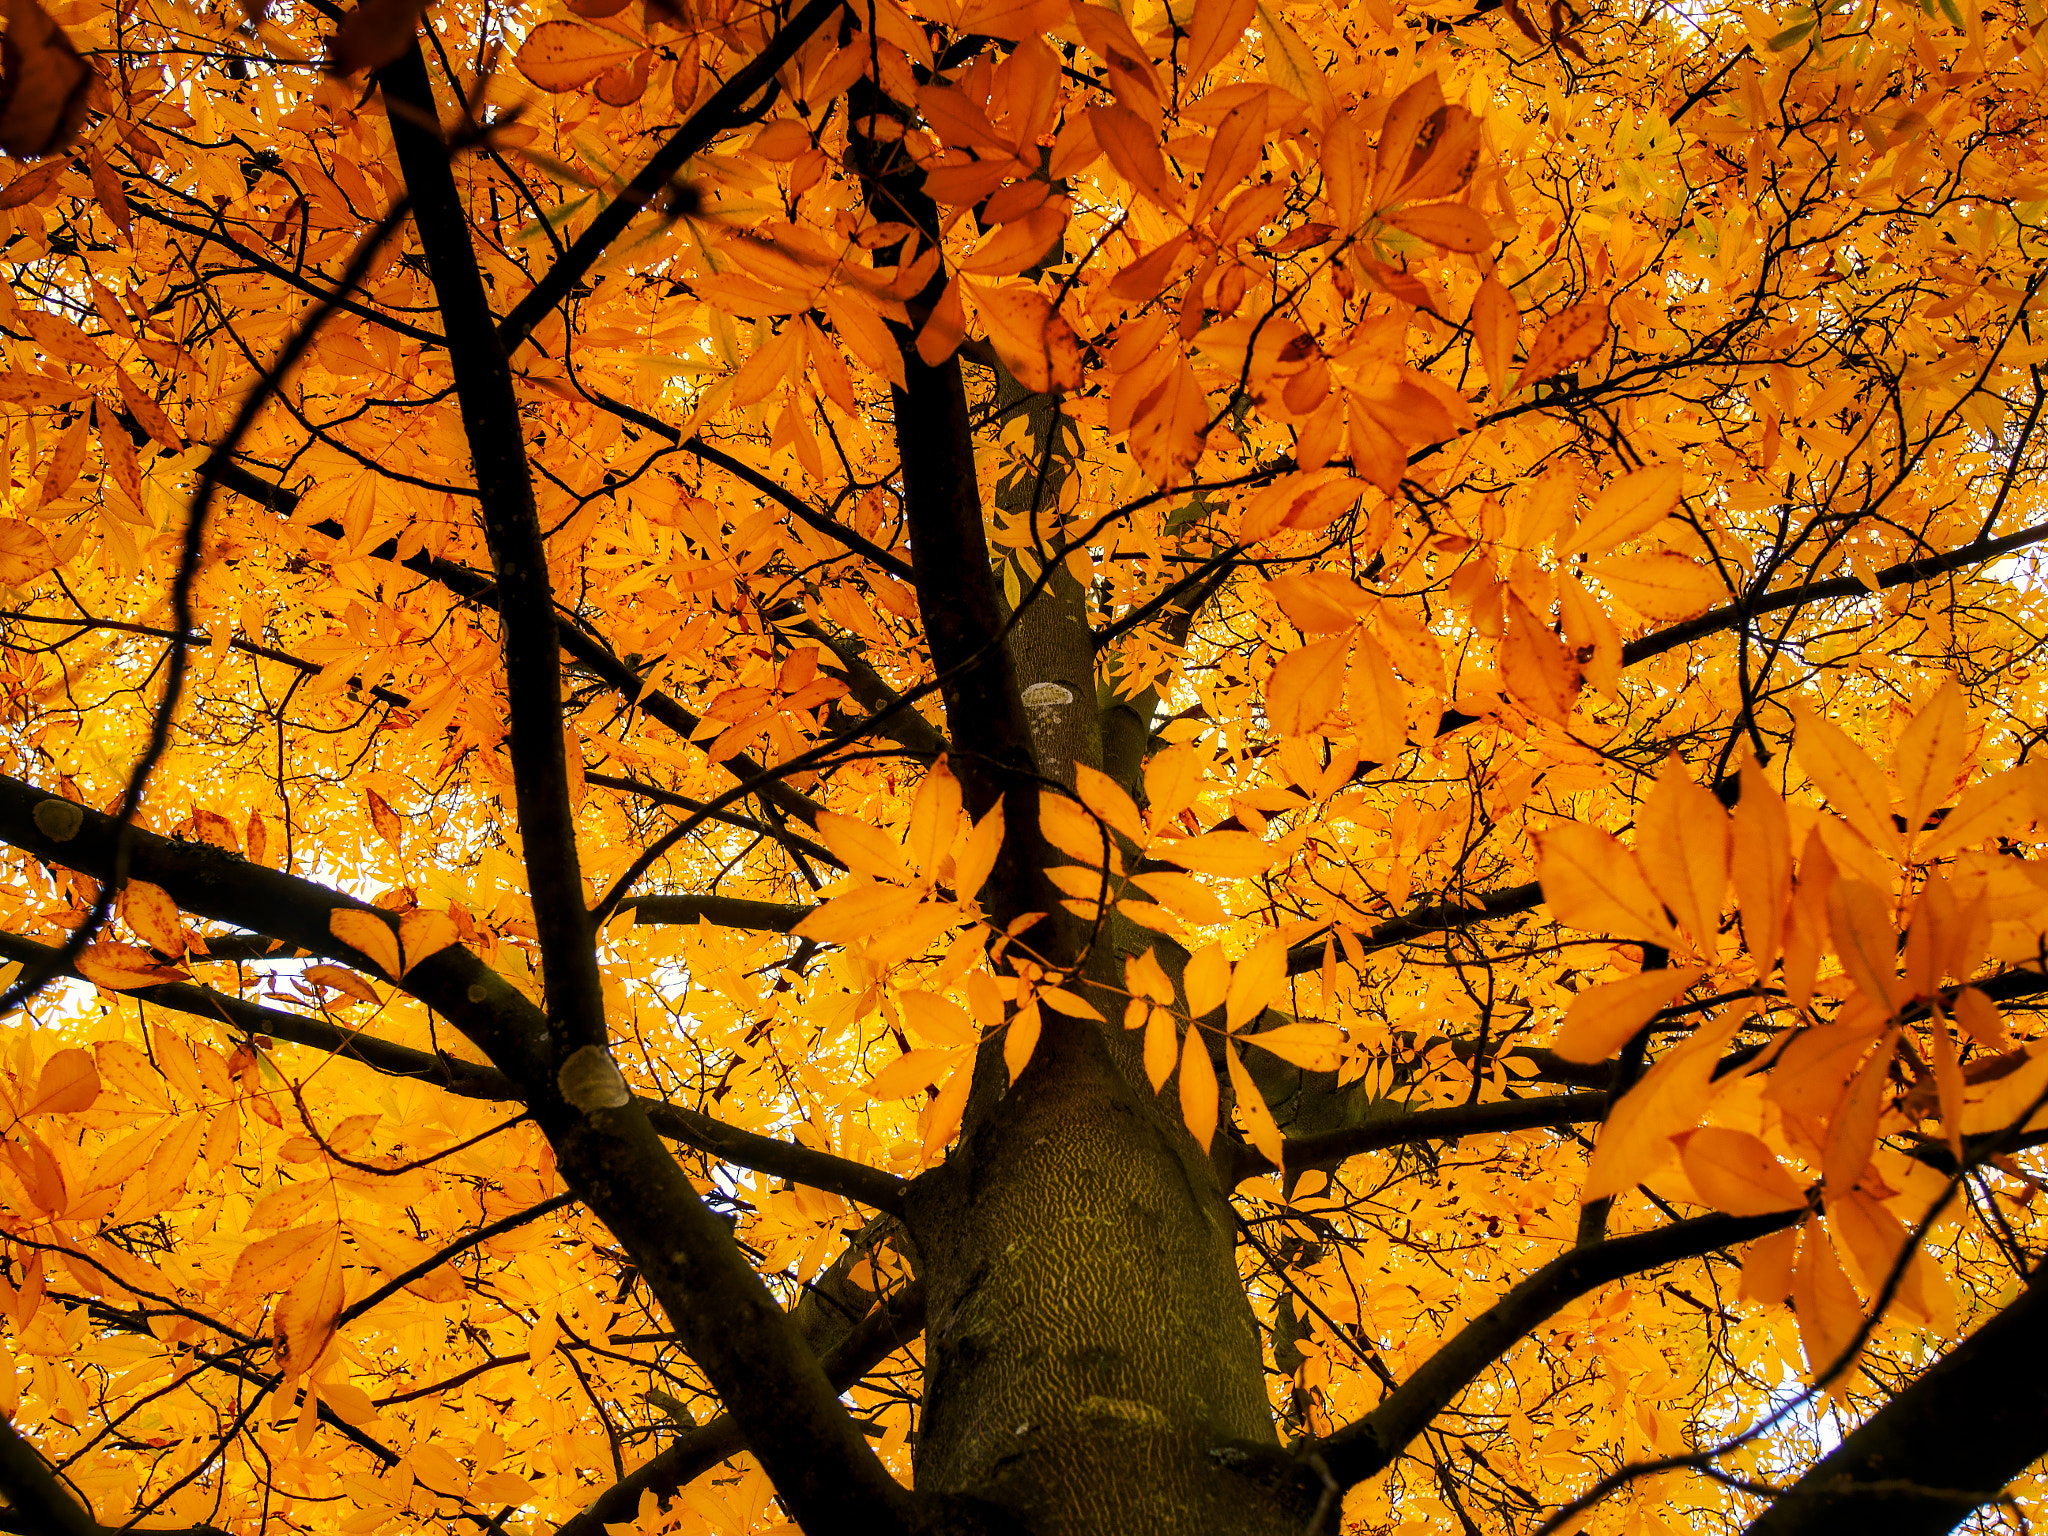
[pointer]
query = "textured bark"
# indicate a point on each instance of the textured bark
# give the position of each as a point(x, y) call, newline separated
point(1092, 1364)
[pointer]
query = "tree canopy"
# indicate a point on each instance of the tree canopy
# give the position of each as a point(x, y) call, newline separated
point(1011, 766)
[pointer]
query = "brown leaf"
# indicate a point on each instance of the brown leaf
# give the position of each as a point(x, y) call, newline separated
point(564, 56)
point(373, 34)
point(43, 84)
point(1566, 339)
point(106, 186)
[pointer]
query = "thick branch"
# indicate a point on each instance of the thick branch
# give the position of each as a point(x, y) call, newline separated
point(526, 603)
point(725, 911)
point(1947, 1444)
point(1906, 574)
point(1422, 922)
point(1333, 1147)
point(1363, 1449)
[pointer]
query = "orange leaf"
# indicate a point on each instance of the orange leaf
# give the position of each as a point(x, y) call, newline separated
point(565, 56)
point(1682, 844)
point(1844, 773)
point(1604, 1018)
point(370, 935)
point(422, 933)
point(67, 1085)
point(1452, 226)
point(1591, 881)
point(1760, 865)
point(1662, 584)
point(1537, 671)
point(1257, 1119)
point(1637, 1138)
point(1565, 340)
point(150, 911)
point(1307, 686)
point(124, 967)
point(1496, 323)
point(342, 980)
point(1218, 26)
point(1735, 1172)
point(1634, 504)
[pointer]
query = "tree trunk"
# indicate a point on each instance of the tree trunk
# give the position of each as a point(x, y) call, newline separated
point(1091, 1361)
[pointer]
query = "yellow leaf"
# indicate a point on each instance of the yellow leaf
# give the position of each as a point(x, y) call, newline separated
point(1860, 923)
point(936, 1019)
point(1992, 808)
point(306, 1311)
point(396, 1253)
point(1846, 775)
point(1767, 1267)
point(1735, 1172)
point(1239, 854)
point(1829, 1314)
point(910, 1073)
point(1251, 1110)
point(1317, 602)
point(1069, 1003)
point(1146, 977)
point(1162, 1045)
point(1255, 981)
point(1870, 1241)
point(68, 1084)
point(422, 933)
point(1682, 845)
point(1206, 980)
point(1604, 1018)
point(1852, 1128)
point(1307, 686)
point(1198, 1095)
point(934, 819)
point(1021, 1040)
point(1637, 1139)
point(1930, 755)
point(860, 914)
point(1312, 1047)
point(1591, 881)
point(864, 849)
point(1760, 866)
point(1172, 779)
point(1066, 824)
point(1106, 798)
point(1662, 584)
point(342, 980)
point(943, 1122)
point(978, 854)
point(1632, 505)
point(271, 1264)
point(1184, 895)
point(369, 934)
